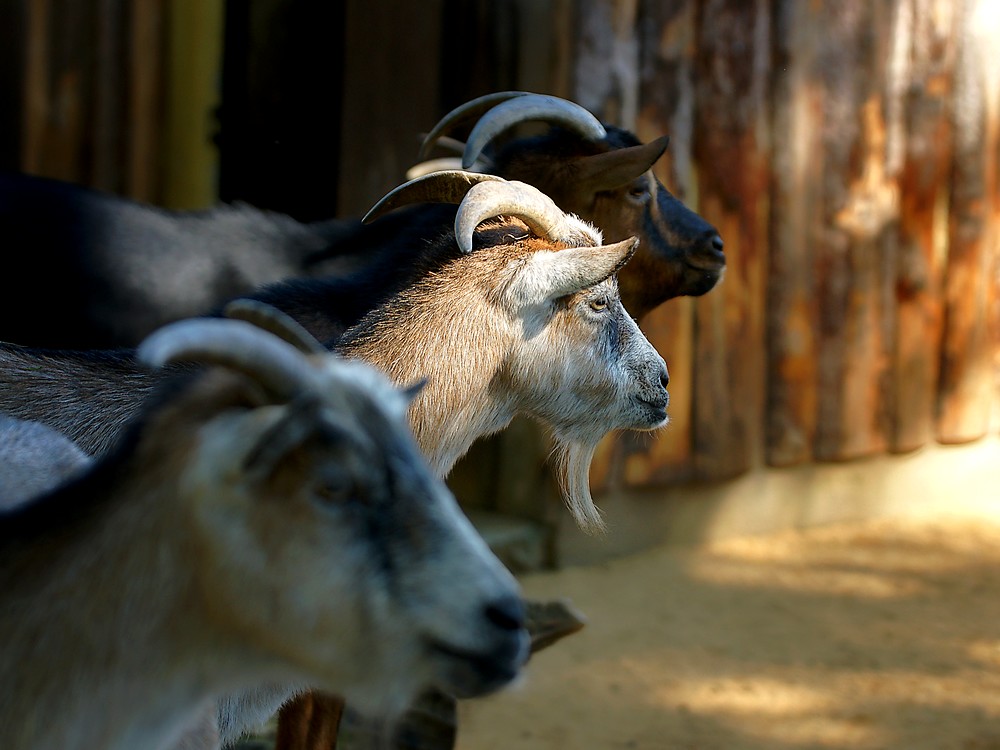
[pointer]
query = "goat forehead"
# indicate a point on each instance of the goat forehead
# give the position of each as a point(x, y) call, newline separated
point(587, 234)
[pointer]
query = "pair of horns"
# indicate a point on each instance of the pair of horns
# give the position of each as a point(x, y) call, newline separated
point(481, 197)
point(503, 110)
point(257, 340)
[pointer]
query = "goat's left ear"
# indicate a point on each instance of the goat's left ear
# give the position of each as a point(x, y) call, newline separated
point(299, 421)
point(618, 167)
point(549, 275)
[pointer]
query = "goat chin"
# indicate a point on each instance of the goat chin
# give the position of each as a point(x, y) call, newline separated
point(572, 462)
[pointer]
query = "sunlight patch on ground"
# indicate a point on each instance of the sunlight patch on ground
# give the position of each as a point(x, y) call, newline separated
point(987, 652)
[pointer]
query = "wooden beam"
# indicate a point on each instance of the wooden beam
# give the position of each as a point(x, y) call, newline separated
point(731, 145)
point(969, 356)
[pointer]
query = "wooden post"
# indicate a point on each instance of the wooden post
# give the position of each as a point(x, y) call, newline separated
point(830, 315)
point(390, 95)
point(144, 56)
point(731, 155)
point(968, 389)
point(920, 89)
point(195, 54)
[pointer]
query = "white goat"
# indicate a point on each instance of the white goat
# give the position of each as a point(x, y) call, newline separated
point(525, 324)
point(267, 518)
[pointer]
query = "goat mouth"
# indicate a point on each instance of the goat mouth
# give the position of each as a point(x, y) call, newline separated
point(655, 410)
point(713, 263)
point(472, 673)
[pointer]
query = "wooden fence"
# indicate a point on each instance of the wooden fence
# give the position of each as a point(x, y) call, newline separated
point(847, 150)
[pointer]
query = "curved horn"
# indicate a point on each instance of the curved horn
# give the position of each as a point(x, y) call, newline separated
point(519, 199)
point(236, 344)
point(464, 113)
point(274, 321)
point(447, 186)
point(531, 107)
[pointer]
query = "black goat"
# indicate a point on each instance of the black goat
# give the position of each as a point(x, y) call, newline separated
point(113, 270)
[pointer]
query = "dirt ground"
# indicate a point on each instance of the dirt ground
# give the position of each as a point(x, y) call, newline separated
point(878, 635)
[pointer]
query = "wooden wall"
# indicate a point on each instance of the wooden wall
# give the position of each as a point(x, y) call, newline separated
point(848, 151)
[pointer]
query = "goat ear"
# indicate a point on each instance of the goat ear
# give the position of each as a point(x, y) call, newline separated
point(413, 390)
point(613, 169)
point(549, 275)
point(299, 422)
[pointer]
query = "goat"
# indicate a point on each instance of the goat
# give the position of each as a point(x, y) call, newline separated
point(550, 337)
point(519, 314)
point(115, 269)
point(603, 174)
point(266, 516)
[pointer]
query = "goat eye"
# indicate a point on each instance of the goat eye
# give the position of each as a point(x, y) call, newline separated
point(639, 191)
point(334, 491)
point(598, 305)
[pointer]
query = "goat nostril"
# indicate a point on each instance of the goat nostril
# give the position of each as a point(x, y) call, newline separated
point(506, 613)
point(664, 378)
point(717, 243)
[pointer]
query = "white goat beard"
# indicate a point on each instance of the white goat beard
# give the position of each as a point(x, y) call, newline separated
point(572, 458)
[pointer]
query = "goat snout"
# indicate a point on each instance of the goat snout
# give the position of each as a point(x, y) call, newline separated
point(504, 649)
point(506, 613)
point(708, 253)
point(652, 397)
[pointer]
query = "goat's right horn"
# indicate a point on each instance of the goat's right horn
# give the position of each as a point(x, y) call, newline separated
point(236, 344)
point(446, 186)
point(275, 321)
point(526, 108)
point(513, 198)
point(464, 113)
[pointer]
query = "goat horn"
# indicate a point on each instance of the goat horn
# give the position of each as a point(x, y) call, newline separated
point(523, 109)
point(236, 344)
point(447, 186)
point(513, 198)
point(463, 113)
point(274, 321)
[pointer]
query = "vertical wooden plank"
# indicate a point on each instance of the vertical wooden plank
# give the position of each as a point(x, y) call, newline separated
point(195, 53)
point(36, 84)
point(921, 87)
point(13, 79)
point(968, 358)
point(144, 58)
point(667, 41)
point(543, 46)
point(797, 166)
point(855, 256)
point(478, 54)
point(843, 50)
point(390, 95)
point(106, 125)
point(607, 62)
point(731, 153)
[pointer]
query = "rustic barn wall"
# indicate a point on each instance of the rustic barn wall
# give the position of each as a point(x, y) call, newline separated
point(848, 154)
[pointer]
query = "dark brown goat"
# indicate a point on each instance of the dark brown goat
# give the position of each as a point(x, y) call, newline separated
point(603, 174)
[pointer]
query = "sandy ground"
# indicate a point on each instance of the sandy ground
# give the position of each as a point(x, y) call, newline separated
point(877, 635)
